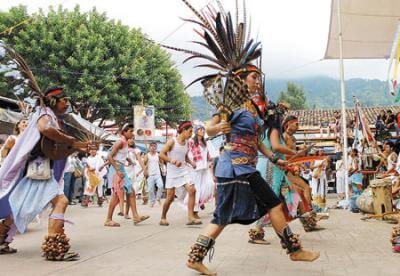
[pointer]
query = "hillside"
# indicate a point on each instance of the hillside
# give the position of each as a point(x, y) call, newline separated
point(321, 92)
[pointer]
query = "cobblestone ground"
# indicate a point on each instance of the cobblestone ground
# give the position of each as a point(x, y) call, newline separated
point(348, 246)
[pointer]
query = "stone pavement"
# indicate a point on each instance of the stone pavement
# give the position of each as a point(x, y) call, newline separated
point(348, 246)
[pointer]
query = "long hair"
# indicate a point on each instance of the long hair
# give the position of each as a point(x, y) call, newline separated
point(274, 118)
point(16, 127)
point(197, 141)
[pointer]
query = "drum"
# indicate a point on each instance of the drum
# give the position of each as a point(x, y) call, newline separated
point(382, 195)
point(365, 202)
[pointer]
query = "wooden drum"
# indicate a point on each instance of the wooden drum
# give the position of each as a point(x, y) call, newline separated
point(382, 195)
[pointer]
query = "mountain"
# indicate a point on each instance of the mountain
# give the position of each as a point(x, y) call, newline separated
point(321, 93)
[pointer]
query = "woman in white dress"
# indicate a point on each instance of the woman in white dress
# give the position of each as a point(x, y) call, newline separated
point(201, 175)
point(340, 182)
point(319, 181)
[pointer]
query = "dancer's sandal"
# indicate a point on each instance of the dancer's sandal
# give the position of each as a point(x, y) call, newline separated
point(163, 223)
point(6, 249)
point(141, 218)
point(111, 224)
point(194, 222)
point(5, 246)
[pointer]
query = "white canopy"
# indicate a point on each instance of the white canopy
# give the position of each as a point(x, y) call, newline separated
point(368, 29)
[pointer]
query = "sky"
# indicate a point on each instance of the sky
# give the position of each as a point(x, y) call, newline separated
point(293, 33)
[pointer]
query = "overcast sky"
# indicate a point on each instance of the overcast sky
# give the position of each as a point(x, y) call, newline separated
point(293, 32)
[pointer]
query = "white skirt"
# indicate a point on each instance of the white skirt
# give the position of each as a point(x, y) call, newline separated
point(340, 185)
point(204, 185)
point(177, 182)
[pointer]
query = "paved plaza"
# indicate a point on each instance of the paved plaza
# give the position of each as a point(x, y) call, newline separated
point(348, 246)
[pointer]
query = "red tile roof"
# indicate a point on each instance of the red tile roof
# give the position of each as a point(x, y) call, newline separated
point(314, 117)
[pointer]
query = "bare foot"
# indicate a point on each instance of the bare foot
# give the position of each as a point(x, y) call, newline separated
point(200, 267)
point(196, 215)
point(304, 256)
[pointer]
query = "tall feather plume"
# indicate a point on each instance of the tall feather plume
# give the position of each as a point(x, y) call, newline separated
point(229, 48)
point(26, 72)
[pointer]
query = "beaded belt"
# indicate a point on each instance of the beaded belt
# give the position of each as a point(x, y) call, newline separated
point(244, 161)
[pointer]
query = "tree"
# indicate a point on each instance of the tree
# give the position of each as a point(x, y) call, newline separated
point(294, 95)
point(106, 67)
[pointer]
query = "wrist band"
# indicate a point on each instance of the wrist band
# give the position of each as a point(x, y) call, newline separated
point(274, 158)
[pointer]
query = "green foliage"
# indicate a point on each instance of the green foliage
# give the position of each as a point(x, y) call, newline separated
point(294, 95)
point(105, 66)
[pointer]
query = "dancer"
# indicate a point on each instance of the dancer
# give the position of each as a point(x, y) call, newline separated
point(243, 196)
point(120, 180)
point(290, 188)
point(134, 158)
point(201, 175)
point(29, 181)
point(152, 165)
point(175, 154)
point(308, 217)
point(94, 173)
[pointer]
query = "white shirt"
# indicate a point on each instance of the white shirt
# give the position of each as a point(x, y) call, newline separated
point(153, 164)
point(96, 162)
point(70, 166)
point(177, 153)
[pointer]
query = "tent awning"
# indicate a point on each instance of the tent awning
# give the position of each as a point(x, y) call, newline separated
point(368, 29)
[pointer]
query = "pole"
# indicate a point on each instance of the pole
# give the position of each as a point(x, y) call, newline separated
point(343, 99)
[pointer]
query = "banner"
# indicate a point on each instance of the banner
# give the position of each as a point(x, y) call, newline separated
point(363, 126)
point(394, 65)
point(143, 120)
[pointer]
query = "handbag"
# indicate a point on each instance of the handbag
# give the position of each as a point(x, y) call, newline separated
point(39, 169)
point(78, 173)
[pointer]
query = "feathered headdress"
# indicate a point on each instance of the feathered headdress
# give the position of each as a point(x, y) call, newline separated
point(231, 52)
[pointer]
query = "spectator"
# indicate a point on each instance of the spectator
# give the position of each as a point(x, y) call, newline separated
point(390, 120)
point(324, 125)
point(338, 149)
point(69, 178)
point(380, 123)
point(397, 124)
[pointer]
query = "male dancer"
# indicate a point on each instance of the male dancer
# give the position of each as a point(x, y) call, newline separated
point(174, 153)
point(23, 194)
point(152, 165)
point(308, 217)
point(120, 179)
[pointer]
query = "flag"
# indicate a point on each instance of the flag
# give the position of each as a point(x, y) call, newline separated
point(394, 65)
